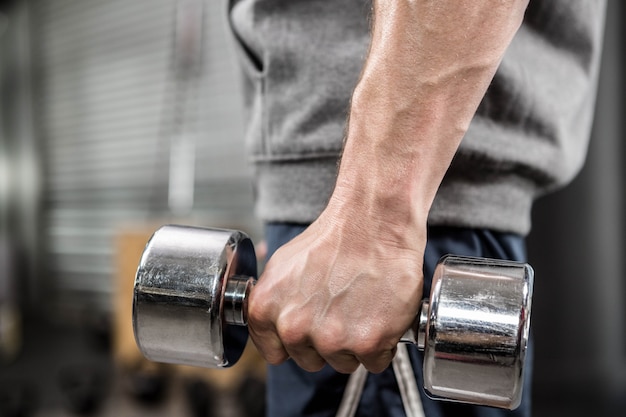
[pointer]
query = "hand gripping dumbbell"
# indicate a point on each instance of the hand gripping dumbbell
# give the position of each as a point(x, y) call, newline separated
point(190, 301)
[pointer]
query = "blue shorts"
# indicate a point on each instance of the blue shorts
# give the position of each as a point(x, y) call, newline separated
point(293, 392)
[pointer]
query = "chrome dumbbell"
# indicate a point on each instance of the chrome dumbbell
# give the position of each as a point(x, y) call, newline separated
point(190, 301)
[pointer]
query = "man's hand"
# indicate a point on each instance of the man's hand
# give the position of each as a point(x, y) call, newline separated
point(342, 293)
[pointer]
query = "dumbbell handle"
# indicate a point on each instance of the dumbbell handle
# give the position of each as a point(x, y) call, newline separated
point(235, 304)
point(235, 310)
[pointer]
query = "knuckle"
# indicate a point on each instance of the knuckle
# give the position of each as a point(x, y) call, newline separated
point(376, 356)
point(366, 348)
point(292, 333)
point(332, 339)
point(259, 313)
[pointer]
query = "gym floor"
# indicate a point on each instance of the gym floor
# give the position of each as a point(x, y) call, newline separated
point(65, 371)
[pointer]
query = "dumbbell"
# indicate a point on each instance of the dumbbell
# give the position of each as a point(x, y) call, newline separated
point(190, 302)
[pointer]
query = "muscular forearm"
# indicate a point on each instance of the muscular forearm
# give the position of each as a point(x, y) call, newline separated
point(429, 65)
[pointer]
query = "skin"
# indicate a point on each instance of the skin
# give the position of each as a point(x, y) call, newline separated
point(346, 289)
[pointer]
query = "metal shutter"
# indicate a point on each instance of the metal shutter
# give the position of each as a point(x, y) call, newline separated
point(108, 109)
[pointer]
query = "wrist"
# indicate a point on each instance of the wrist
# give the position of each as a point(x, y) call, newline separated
point(379, 201)
point(385, 172)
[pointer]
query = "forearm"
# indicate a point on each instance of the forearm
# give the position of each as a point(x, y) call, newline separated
point(427, 70)
point(345, 290)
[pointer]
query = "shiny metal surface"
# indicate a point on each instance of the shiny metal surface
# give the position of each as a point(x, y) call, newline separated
point(181, 295)
point(236, 294)
point(477, 332)
point(190, 306)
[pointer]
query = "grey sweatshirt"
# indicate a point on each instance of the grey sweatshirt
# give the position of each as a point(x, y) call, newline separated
point(302, 59)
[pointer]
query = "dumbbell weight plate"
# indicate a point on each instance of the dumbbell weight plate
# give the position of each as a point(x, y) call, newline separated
point(179, 305)
point(477, 329)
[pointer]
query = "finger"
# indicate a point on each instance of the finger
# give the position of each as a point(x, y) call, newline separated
point(345, 363)
point(269, 346)
point(293, 331)
point(262, 328)
point(306, 358)
point(260, 250)
point(379, 361)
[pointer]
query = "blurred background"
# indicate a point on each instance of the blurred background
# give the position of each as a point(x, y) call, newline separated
point(117, 116)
